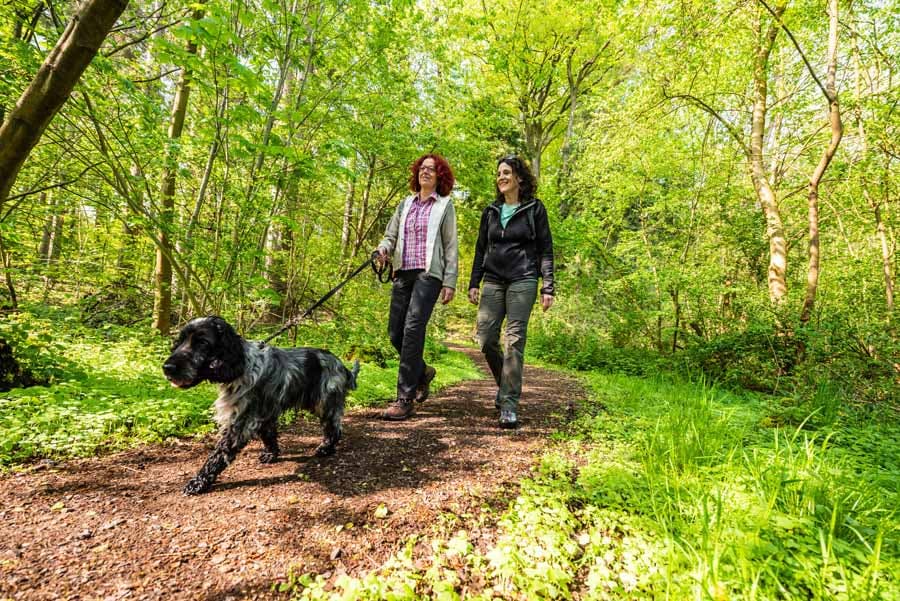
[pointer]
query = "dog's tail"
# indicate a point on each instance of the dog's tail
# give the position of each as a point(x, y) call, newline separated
point(353, 373)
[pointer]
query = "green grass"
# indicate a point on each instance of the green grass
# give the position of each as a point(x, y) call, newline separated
point(106, 390)
point(663, 489)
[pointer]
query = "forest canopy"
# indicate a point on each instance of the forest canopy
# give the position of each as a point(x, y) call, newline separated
point(721, 177)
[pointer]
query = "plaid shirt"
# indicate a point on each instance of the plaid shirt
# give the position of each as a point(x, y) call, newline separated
point(416, 232)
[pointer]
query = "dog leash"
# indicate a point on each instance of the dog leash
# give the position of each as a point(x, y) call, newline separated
point(379, 271)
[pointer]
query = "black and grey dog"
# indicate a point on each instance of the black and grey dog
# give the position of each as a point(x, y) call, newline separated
point(256, 385)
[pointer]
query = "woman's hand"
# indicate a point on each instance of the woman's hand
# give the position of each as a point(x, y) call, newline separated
point(447, 295)
point(473, 296)
point(382, 256)
point(546, 301)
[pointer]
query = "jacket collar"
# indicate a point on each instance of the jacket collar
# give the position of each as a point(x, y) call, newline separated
point(524, 205)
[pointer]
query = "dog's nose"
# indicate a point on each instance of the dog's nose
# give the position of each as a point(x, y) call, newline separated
point(169, 369)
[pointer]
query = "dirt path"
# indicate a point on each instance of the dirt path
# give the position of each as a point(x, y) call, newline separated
point(118, 527)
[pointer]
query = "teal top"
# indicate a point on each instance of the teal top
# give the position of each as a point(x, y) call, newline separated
point(507, 211)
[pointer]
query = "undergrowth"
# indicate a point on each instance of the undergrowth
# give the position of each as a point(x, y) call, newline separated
point(105, 389)
point(661, 489)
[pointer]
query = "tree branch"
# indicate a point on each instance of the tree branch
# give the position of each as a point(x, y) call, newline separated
point(732, 130)
point(59, 185)
point(799, 50)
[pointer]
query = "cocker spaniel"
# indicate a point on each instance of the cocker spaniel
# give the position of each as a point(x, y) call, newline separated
point(257, 383)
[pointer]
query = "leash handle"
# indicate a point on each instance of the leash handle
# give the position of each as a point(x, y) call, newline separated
point(385, 267)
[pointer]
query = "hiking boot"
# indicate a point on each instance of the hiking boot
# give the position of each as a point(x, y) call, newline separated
point(423, 389)
point(399, 410)
point(508, 419)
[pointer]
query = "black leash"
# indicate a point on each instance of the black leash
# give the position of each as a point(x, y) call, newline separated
point(370, 261)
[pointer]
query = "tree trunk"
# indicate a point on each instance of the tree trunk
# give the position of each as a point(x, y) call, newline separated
point(885, 261)
point(47, 232)
point(6, 260)
point(125, 267)
point(348, 218)
point(673, 292)
point(764, 191)
point(566, 152)
point(162, 302)
point(837, 131)
point(364, 205)
point(52, 85)
point(534, 144)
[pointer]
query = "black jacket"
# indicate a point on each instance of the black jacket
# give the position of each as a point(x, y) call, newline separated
point(521, 250)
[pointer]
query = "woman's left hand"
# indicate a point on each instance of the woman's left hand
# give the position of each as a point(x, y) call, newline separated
point(447, 295)
point(546, 301)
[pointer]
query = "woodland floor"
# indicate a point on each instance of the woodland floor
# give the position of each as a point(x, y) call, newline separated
point(118, 527)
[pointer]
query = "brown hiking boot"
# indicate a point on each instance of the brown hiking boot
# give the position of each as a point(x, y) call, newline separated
point(399, 410)
point(423, 389)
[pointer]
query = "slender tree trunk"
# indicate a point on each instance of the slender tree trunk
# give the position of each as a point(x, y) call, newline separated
point(837, 131)
point(125, 268)
point(52, 85)
point(162, 304)
point(534, 143)
point(47, 232)
point(348, 217)
point(6, 260)
point(673, 292)
point(764, 191)
point(364, 204)
point(566, 152)
point(886, 257)
point(54, 248)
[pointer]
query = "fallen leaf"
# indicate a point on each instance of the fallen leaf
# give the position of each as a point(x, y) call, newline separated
point(381, 512)
point(58, 506)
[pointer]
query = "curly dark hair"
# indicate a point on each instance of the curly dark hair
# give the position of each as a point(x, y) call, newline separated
point(527, 183)
point(445, 179)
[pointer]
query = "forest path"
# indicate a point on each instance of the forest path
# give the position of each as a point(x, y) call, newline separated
point(118, 527)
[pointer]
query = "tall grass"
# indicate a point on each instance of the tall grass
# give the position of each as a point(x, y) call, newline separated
point(664, 489)
point(746, 511)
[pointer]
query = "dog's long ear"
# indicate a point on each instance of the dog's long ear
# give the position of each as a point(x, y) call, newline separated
point(228, 360)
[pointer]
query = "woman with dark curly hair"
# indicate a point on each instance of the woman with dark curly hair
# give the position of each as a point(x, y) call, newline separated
point(514, 248)
point(420, 241)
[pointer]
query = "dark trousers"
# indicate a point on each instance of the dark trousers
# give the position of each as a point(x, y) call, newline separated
point(513, 302)
point(413, 296)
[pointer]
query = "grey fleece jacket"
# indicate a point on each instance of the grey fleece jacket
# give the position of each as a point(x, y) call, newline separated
point(441, 246)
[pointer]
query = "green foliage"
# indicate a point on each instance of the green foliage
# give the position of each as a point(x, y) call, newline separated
point(583, 351)
point(666, 489)
point(105, 389)
point(104, 392)
point(755, 358)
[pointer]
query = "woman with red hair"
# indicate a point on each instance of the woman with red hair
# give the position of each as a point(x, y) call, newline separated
point(420, 241)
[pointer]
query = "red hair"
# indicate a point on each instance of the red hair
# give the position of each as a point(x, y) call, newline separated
point(444, 174)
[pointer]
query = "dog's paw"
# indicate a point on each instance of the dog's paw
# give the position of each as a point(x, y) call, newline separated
point(324, 450)
point(196, 486)
point(267, 457)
